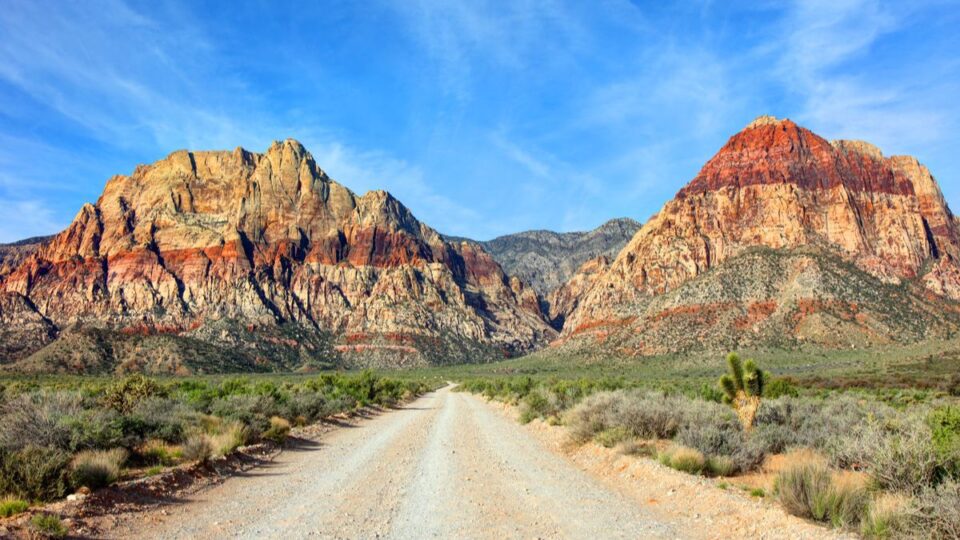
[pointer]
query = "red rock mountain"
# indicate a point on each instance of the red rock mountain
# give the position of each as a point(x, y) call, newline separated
point(818, 216)
point(261, 257)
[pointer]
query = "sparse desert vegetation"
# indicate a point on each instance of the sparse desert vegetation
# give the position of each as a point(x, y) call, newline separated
point(857, 459)
point(57, 435)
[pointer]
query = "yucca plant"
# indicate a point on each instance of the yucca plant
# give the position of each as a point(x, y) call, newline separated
point(742, 388)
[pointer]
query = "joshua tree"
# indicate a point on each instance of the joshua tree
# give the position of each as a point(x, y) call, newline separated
point(742, 387)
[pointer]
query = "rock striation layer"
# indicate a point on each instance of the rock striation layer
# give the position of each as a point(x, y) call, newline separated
point(228, 247)
point(778, 186)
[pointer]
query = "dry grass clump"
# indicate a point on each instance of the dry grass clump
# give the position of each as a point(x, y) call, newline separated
point(158, 452)
point(228, 438)
point(802, 486)
point(636, 447)
point(197, 447)
point(808, 488)
point(278, 431)
point(95, 469)
point(721, 466)
point(847, 499)
point(886, 516)
point(684, 459)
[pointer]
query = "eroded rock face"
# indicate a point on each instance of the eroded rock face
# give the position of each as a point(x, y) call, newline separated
point(268, 239)
point(777, 185)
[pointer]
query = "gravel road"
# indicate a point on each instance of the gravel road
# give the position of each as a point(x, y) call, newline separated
point(445, 466)
point(451, 465)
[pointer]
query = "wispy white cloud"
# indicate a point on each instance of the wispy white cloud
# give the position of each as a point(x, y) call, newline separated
point(24, 218)
point(823, 61)
point(533, 165)
point(368, 170)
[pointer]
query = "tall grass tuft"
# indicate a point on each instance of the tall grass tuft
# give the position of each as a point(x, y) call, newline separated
point(95, 469)
point(803, 486)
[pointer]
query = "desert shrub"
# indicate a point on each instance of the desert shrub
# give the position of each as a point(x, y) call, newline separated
point(278, 431)
point(803, 486)
point(99, 428)
point(35, 473)
point(779, 388)
point(534, 405)
point(722, 437)
point(309, 405)
point(886, 516)
point(12, 506)
point(124, 395)
point(613, 436)
point(163, 418)
point(197, 447)
point(813, 423)
point(936, 511)
point(48, 525)
point(254, 411)
point(591, 416)
point(39, 419)
point(898, 454)
point(944, 425)
point(96, 469)
point(654, 415)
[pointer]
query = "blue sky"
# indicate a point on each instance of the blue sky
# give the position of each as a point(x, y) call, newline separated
point(483, 117)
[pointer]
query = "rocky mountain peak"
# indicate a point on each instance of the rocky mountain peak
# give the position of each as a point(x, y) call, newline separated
point(764, 120)
point(779, 186)
point(213, 238)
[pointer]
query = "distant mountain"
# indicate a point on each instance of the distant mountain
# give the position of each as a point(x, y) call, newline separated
point(782, 239)
point(12, 254)
point(546, 259)
point(227, 261)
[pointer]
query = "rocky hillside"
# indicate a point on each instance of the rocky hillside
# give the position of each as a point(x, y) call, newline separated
point(547, 260)
point(841, 229)
point(257, 261)
point(11, 255)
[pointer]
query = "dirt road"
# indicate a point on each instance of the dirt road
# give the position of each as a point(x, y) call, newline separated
point(447, 465)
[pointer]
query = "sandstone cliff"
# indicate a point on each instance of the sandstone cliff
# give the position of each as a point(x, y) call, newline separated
point(245, 250)
point(779, 186)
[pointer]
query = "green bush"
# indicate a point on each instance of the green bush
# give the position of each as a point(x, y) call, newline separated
point(124, 395)
point(944, 425)
point(35, 473)
point(11, 507)
point(48, 525)
point(779, 388)
point(95, 469)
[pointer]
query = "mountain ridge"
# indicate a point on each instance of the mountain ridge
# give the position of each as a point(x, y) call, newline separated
point(779, 186)
point(269, 240)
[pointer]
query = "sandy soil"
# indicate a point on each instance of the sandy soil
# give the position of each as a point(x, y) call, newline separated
point(450, 465)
